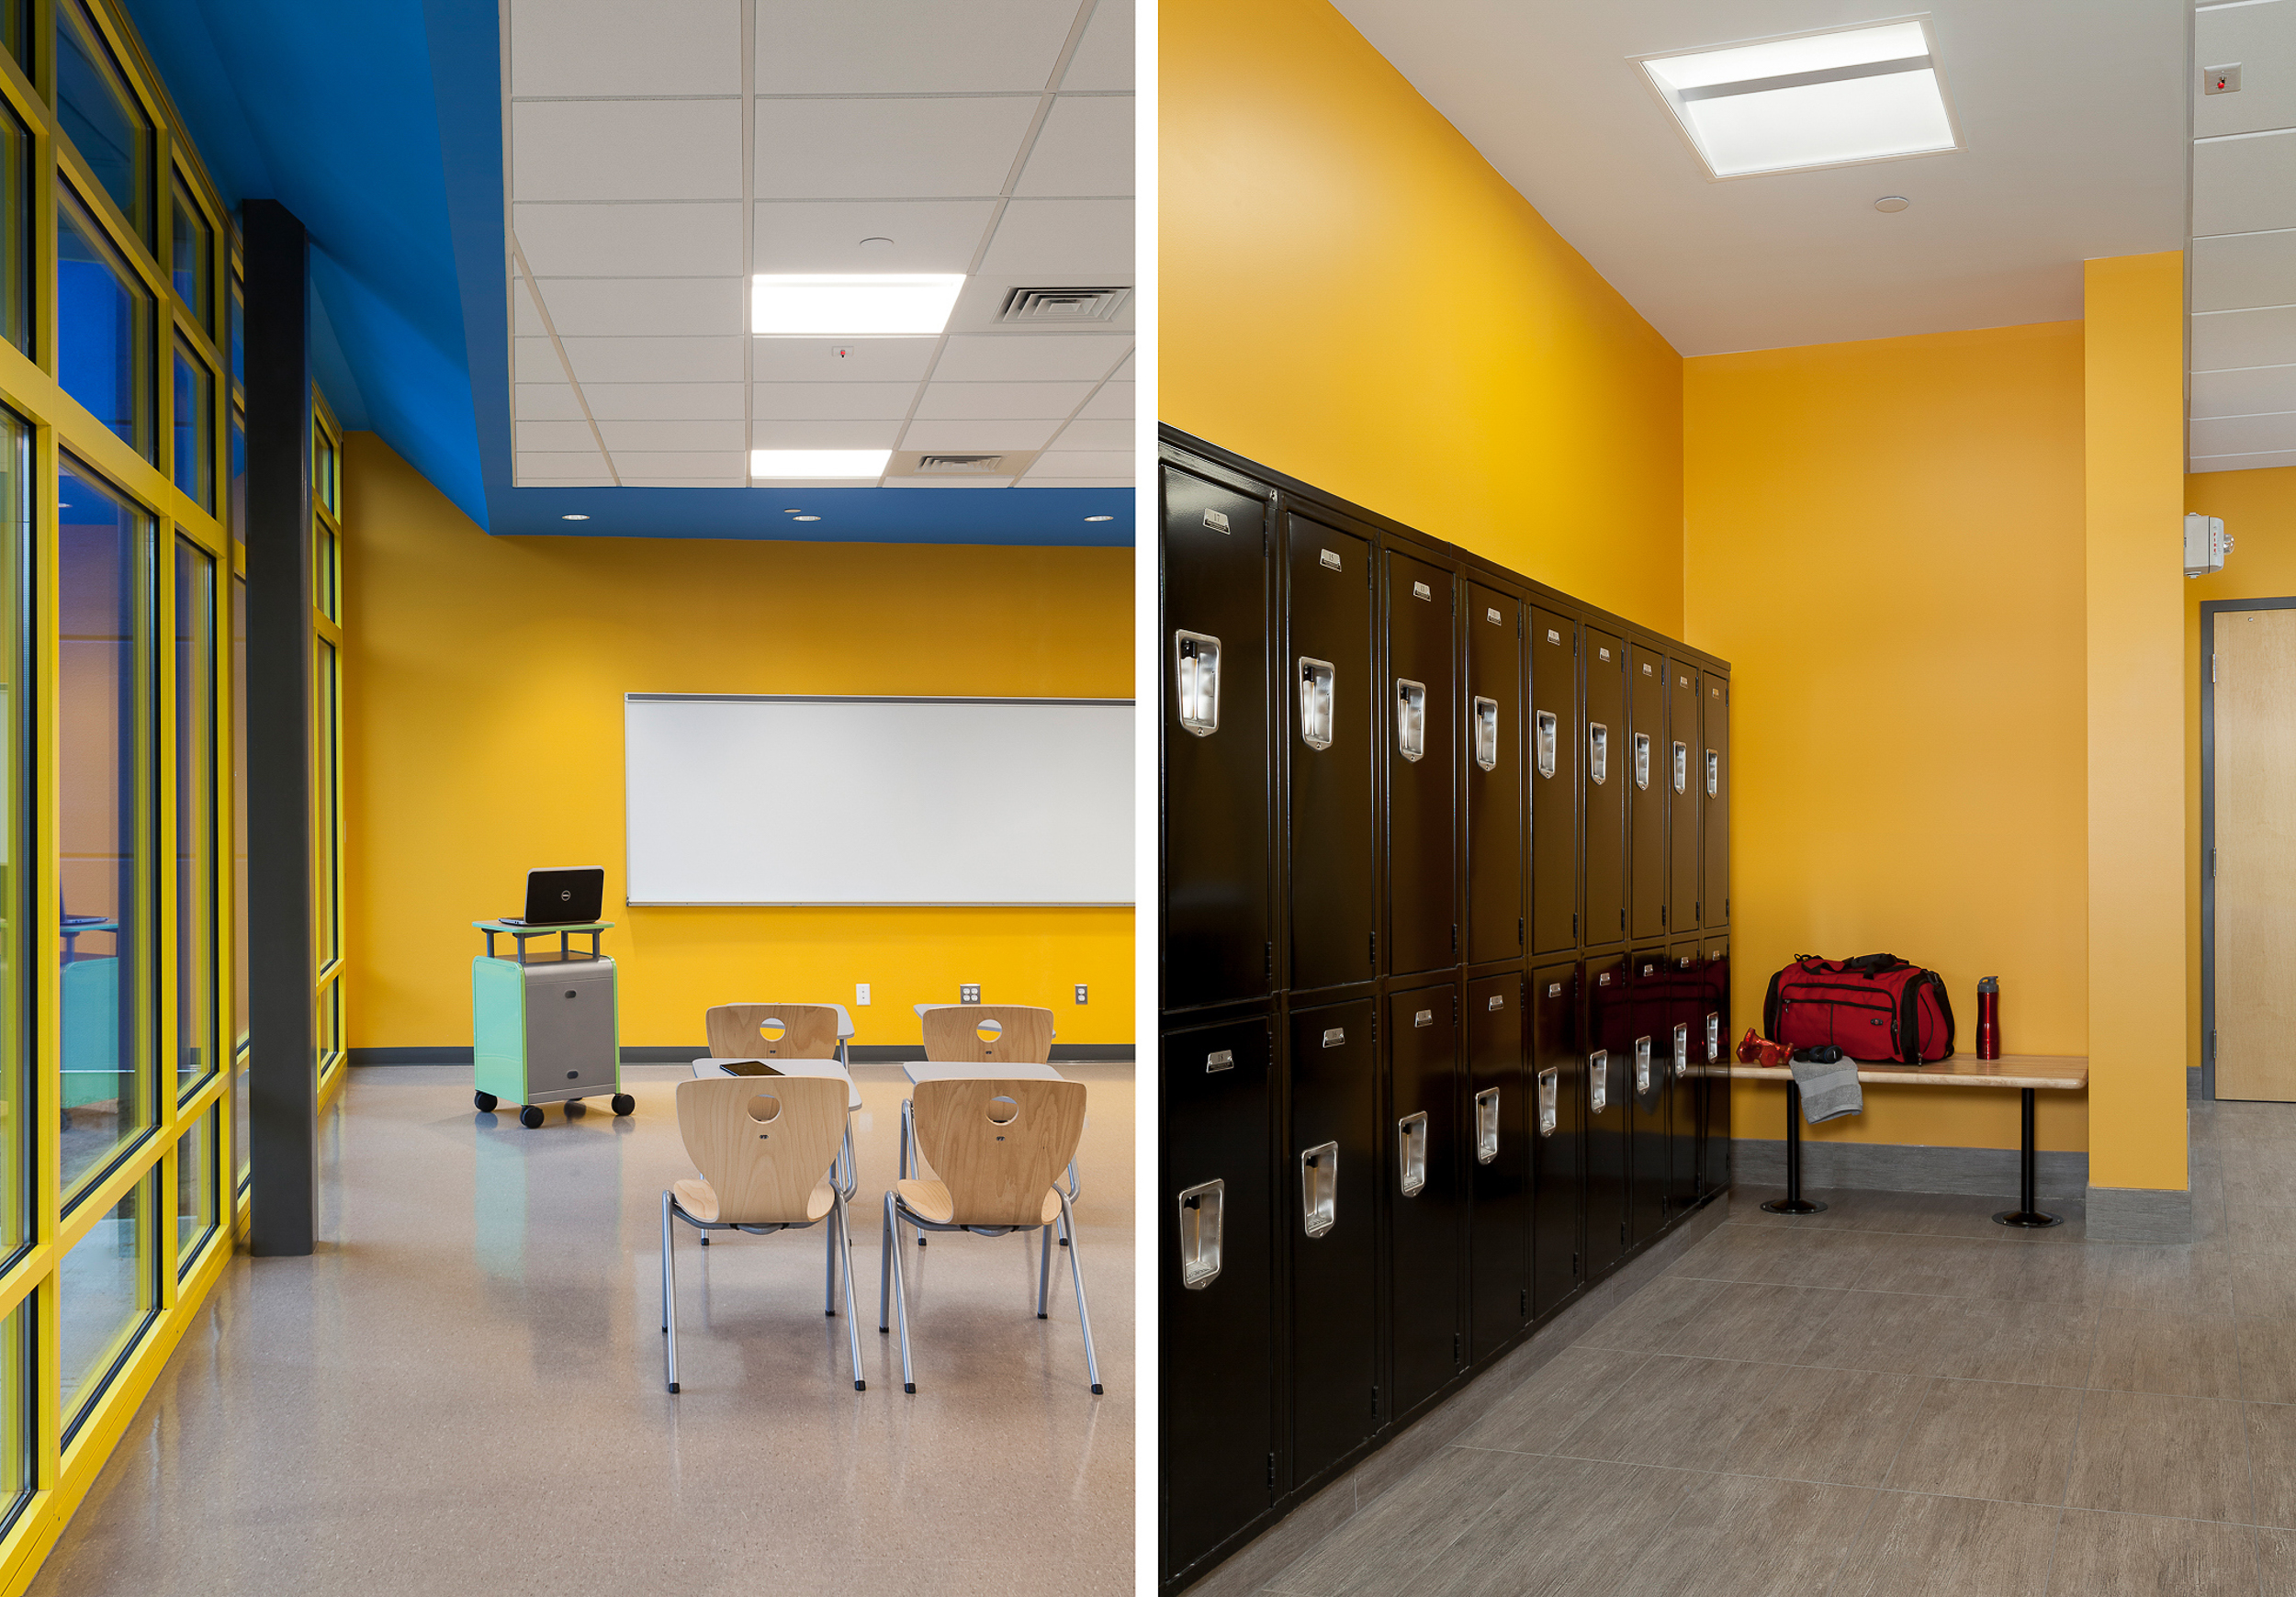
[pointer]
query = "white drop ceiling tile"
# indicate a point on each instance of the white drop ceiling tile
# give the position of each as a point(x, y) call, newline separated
point(545, 402)
point(607, 47)
point(677, 435)
point(2246, 269)
point(833, 402)
point(644, 307)
point(688, 239)
point(541, 437)
point(2226, 339)
point(1103, 463)
point(680, 463)
point(1036, 479)
point(2263, 38)
point(2245, 184)
point(2244, 462)
point(1051, 239)
point(1104, 56)
point(888, 149)
point(888, 47)
point(532, 359)
point(928, 235)
point(1085, 148)
point(1113, 403)
point(610, 149)
point(2244, 435)
point(655, 360)
point(948, 482)
point(525, 318)
point(810, 432)
point(664, 401)
point(1083, 434)
point(1029, 357)
point(2243, 393)
point(947, 401)
point(1011, 434)
point(585, 465)
point(850, 360)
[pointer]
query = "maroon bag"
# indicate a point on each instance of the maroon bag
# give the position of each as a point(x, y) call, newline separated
point(1876, 1008)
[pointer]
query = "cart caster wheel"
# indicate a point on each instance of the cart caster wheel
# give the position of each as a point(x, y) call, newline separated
point(673, 1386)
point(1096, 1388)
point(908, 1386)
point(623, 1104)
point(486, 1102)
point(573, 1108)
point(530, 1117)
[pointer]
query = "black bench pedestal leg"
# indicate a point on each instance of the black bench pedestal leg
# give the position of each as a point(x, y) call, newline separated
point(1793, 1202)
point(2027, 1215)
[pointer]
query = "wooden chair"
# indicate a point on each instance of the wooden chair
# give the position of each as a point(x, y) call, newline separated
point(988, 1034)
point(767, 1150)
point(999, 1147)
point(770, 1032)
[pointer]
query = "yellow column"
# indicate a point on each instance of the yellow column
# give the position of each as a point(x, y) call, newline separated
point(2135, 382)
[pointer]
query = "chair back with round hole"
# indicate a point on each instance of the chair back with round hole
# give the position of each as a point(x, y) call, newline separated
point(763, 1144)
point(988, 1034)
point(998, 1146)
point(773, 1030)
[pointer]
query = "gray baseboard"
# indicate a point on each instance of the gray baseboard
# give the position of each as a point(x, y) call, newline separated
point(1910, 1167)
point(686, 1053)
point(2139, 1214)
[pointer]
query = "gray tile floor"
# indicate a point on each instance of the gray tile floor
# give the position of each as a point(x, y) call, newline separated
point(461, 1392)
point(1896, 1398)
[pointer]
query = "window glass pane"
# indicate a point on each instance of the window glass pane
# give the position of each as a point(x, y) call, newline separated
point(239, 1054)
point(103, 814)
point(105, 1292)
point(330, 1029)
point(191, 258)
point(15, 31)
point(238, 478)
point(325, 705)
point(16, 1410)
point(101, 118)
point(238, 335)
point(196, 1209)
point(325, 463)
point(195, 423)
point(103, 330)
point(16, 508)
point(15, 231)
point(194, 815)
point(326, 585)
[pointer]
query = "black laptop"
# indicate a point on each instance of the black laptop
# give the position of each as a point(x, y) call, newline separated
point(565, 895)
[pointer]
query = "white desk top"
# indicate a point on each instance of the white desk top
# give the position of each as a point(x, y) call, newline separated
point(705, 1068)
point(952, 1070)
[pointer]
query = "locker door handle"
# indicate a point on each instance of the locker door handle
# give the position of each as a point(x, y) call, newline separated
point(1713, 774)
point(1203, 1210)
point(1598, 1081)
point(1642, 760)
point(1319, 1188)
point(1546, 721)
point(1487, 1125)
point(1714, 1036)
point(1411, 1153)
point(1681, 767)
point(1410, 719)
point(1316, 702)
point(1487, 733)
point(1642, 1066)
point(1682, 1050)
point(1597, 752)
point(1196, 673)
point(1549, 1094)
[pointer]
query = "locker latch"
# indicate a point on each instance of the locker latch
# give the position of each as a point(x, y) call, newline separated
point(1203, 1210)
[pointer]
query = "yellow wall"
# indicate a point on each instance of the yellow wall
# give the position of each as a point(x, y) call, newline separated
point(1349, 293)
point(1885, 539)
point(483, 736)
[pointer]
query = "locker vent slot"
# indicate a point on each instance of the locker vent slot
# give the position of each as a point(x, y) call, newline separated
point(1598, 1081)
point(1487, 733)
point(1036, 307)
point(1597, 752)
point(1411, 1153)
point(1196, 669)
point(1642, 760)
point(1682, 1050)
point(1319, 1188)
point(1224, 1058)
point(1336, 1037)
point(1713, 1038)
point(1549, 1098)
point(1681, 767)
point(1713, 774)
point(1487, 1126)
point(1202, 1209)
point(1316, 702)
point(1328, 558)
point(1546, 727)
point(1642, 1066)
point(1410, 719)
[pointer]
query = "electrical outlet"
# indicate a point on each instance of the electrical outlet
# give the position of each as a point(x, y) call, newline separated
point(860, 994)
point(2222, 80)
point(1080, 994)
point(970, 992)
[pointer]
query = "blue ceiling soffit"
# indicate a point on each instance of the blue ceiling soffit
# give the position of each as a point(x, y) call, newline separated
point(380, 125)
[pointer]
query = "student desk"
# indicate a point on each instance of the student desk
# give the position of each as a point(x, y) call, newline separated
point(920, 1069)
point(2028, 1072)
point(834, 1068)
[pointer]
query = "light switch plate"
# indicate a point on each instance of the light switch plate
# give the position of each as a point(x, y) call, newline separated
point(860, 994)
point(969, 994)
point(2222, 80)
point(1080, 992)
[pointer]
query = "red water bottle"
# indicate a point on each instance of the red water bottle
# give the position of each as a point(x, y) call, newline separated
point(1989, 1019)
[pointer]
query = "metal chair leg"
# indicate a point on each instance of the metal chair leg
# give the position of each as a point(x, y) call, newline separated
point(885, 1271)
point(1084, 1315)
point(669, 1293)
point(900, 1300)
point(1075, 1189)
point(842, 1240)
point(1044, 1271)
point(912, 1156)
point(828, 1284)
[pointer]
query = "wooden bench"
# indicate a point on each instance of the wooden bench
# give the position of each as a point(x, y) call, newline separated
point(2029, 1073)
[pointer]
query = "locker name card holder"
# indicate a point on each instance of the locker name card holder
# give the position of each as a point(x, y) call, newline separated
point(1553, 989)
point(1550, 1091)
point(1316, 687)
point(1336, 1037)
point(1493, 617)
point(1411, 1153)
point(1553, 637)
point(1487, 1126)
point(1220, 1060)
point(1546, 731)
point(1487, 733)
point(1420, 590)
point(1497, 1001)
point(1216, 519)
point(1328, 558)
point(1598, 1081)
point(1410, 719)
point(1196, 673)
point(1202, 1212)
point(1422, 1018)
point(1319, 1188)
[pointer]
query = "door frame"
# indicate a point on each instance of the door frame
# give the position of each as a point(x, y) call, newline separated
point(2209, 612)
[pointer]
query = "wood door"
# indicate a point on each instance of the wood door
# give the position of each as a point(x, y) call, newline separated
point(2255, 854)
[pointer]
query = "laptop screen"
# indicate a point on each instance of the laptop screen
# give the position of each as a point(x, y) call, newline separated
point(565, 895)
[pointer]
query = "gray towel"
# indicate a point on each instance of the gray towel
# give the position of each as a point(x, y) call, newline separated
point(1829, 1091)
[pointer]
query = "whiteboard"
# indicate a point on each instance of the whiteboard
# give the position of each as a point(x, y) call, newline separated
point(771, 799)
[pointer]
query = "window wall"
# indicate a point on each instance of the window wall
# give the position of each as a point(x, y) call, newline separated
point(327, 741)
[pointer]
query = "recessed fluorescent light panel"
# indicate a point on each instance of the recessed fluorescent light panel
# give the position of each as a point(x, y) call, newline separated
point(818, 463)
point(1818, 99)
point(878, 306)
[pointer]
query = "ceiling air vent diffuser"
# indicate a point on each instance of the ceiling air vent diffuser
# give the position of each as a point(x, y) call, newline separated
point(1059, 307)
point(968, 465)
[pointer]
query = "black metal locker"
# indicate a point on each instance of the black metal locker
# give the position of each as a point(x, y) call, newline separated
point(1424, 1197)
point(1714, 1130)
point(1646, 861)
point(1331, 1172)
point(1683, 1043)
point(1683, 776)
point(1422, 715)
point(1216, 1284)
point(1558, 1079)
point(1495, 1129)
point(1331, 743)
point(1717, 775)
point(1608, 777)
point(1643, 1021)
point(1491, 772)
point(1608, 1071)
point(1216, 792)
point(1551, 747)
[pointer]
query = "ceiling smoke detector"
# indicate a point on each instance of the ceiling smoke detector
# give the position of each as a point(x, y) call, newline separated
point(967, 465)
point(1058, 306)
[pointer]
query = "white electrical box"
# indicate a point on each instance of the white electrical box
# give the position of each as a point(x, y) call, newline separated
point(2205, 544)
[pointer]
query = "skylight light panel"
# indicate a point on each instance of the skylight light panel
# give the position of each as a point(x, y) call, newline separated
point(881, 305)
point(1819, 99)
point(812, 465)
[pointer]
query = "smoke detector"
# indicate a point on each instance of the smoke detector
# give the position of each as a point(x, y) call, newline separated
point(1062, 306)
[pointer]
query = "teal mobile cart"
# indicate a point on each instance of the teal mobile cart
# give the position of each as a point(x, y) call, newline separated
point(545, 1028)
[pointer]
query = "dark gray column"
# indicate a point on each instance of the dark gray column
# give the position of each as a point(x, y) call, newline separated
point(282, 1072)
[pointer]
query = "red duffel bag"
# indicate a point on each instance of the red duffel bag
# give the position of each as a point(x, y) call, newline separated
point(1877, 1009)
